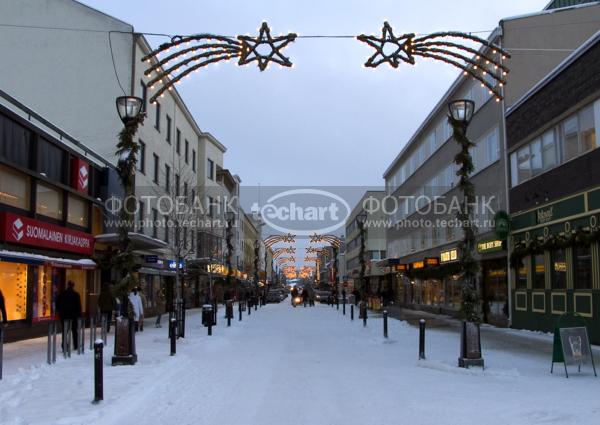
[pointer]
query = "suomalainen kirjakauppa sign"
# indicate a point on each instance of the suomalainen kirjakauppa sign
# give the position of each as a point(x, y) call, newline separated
point(304, 212)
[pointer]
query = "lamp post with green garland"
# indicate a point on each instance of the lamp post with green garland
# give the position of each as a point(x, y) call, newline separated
point(461, 112)
point(124, 262)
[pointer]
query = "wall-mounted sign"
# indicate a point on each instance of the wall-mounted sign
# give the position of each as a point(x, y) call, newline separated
point(449, 256)
point(172, 264)
point(80, 175)
point(151, 258)
point(494, 245)
point(544, 215)
point(400, 267)
point(432, 261)
point(416, 265)
point(27, 231)
point(501, 224)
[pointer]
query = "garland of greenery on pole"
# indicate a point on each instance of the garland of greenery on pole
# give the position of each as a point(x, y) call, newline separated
point(470, 266)
point(124, 262)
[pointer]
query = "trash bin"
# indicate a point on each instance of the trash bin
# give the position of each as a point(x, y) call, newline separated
point(208, 318)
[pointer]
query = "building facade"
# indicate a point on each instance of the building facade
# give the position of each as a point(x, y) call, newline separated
point(552, 137)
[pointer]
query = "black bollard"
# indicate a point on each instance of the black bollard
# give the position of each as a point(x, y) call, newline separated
point(255, 306)
point(385, 323)
point(364, 314)
point(173, 334)
point(51, 342)
point(422, 339)
point(1, 347)
point(337, 303)
point(249, 309)
point(351, 311)
point(98, 372)
point(240, 310)
point(344, 306)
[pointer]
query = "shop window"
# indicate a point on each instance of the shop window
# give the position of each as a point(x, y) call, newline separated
point(49, 202)
point(42, 294)
point(97, 223)
point(521, 277)
point(79, 278)
point(51, 161)
point(559, 269)
point(13, 283)
point(539, 272)
point(14, 188)
point(78, 212)
point(583, 267)
point(15, 142)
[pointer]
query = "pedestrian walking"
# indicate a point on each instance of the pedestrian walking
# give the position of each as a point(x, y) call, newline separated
point(144, 306)
point(106, 304)
point(3, 309)
point(137, 307)
point(160, 306)
point(68, 306)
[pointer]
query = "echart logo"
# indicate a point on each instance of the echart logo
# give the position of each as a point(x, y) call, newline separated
point(83, 177)
point(17, 229)
point(304, 212)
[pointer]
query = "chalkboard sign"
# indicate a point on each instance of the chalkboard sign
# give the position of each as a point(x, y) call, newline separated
point(473, 341)
point(575, 346)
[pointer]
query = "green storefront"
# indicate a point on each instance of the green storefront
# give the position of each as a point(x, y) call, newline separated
point(555, 262)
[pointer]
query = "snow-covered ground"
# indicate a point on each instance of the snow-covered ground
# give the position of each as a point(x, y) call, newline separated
point(285, 365)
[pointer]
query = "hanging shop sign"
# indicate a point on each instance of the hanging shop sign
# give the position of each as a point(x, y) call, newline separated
point(432, 261)
point(488, 246)
point(501, 224)
point(401, 268)
point(80, 175)
point(417, 265)
point(448, 256)
point(26, 231)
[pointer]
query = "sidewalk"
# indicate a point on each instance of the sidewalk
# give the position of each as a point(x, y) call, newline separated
point(531, 343)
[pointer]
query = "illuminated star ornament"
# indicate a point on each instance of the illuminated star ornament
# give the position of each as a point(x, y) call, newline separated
point(389, 48)
point(264, 48)
point(484, 63)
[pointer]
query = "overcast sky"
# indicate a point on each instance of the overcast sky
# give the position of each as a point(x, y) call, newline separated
point(327, 121)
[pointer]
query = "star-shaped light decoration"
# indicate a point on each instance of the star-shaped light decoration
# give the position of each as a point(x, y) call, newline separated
point(389, 48)
point(265, 48)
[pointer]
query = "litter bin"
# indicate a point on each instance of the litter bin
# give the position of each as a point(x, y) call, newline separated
point(208, 318)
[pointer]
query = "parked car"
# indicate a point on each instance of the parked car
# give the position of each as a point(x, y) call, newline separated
point(275, 296)
point(322, 296)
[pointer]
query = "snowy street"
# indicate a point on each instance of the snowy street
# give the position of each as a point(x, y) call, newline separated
point(295, 366)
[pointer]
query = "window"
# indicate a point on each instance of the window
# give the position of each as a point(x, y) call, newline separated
point(523, 164)
point(156, 168)
point(521, 277)
point(210, 169)
point(51, 161)
point(15, 142)
point(194, 160)
point(536, 157)
point(167, 178)
point(77, 212)
point(142, 158)
point(14, 188)
point(587, 129)
point(141, 216)
point(193, 200)
point(178, 141)
point(539, 271)
point(570, 137)
point(177, 183)
point(155, 223)
point(168, 137)
point(49, 202)
point(143, 95)
point(157, 119)
point(559, 269)
point(185, 189)
point(187, 152)
point(549, 157)
point(166, 226)
point(582, 258)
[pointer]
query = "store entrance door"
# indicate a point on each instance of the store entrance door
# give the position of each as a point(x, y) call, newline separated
point(494, 292)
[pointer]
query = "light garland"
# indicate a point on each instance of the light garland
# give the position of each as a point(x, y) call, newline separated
point(273, 239)
point(280, 251)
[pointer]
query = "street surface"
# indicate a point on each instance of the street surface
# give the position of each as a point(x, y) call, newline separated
point(284, 365)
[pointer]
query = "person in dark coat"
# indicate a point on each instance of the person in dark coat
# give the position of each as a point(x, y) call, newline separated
point(68, 306)
point(3, 309)
point(304, 296)
point(106, 304)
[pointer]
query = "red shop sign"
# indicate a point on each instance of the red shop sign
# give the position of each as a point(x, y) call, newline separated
point(27, 231)
point(80, 175)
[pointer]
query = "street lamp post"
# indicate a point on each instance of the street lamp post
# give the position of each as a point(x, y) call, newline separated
point(360, 220)
point(460, 115)
point(124, 263)
point(230, 217)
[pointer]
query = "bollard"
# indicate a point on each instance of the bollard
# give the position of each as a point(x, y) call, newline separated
point(54, 341)
point(385, 323)
point(215, 309)
point(51, 342)
point(104, 327)
point(422, 339)
point(1, 347)
point(351, 311)
point(344, 306)
point(255, 306)
point(364, 313)
point(92, 331)
point(67, 328)
point(229, 312)
point(240, 310)
point(81, 333)
point(98, 372)
point(249, 309)
point(337, 303)
point(173, 335)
